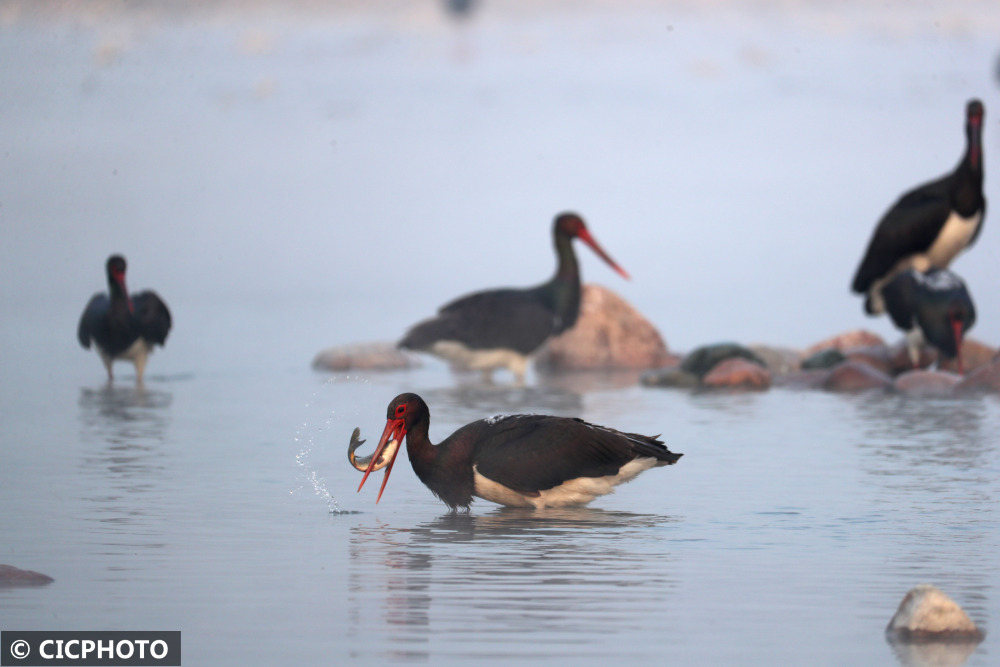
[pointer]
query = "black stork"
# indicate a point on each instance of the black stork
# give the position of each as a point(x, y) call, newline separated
point(502, 328)
point(933, 306)
point(515, 460)
point(929, 225)
point(123, 326)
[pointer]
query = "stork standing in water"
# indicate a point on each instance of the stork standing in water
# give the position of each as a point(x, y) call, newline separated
point(502, 328)
point(122, 326)
point(929, 225)
point(516, 460)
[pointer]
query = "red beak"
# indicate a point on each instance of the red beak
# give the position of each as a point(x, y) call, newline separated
point(395, 429)
point(585, 236)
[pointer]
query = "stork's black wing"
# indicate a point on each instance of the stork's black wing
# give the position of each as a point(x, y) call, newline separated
point(151, 316)
point(513, 319)
point(909, 227)
point(532, 453)
point(92, 317)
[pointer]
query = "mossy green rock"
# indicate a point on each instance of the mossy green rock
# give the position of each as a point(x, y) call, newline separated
point(703, 359)
point(827, 358)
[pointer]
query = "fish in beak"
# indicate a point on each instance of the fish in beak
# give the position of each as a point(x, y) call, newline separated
point(386, 452)
point(361, 463)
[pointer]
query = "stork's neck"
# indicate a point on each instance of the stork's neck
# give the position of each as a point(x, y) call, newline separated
point(969, 192)
point(563, 291)
point(972, 161)
point(421, 452)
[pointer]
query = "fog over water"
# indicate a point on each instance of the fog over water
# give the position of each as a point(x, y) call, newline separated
point(290, 176)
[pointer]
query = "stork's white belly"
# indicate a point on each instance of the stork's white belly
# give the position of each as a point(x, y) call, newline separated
point(954, 237)
point(480, 360)
point(579, 491)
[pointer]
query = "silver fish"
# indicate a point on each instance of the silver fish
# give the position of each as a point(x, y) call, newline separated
point(363, 462)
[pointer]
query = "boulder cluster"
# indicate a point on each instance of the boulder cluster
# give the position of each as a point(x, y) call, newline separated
point(610, 334)
point(850, 362)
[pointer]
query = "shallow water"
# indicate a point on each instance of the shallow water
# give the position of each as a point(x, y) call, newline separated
point(788, 533)
point(218, 501)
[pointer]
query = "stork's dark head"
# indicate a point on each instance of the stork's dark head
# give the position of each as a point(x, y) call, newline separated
point(403, 412)
point(116, 273)
point(944, 311)
point(974, 130)
point(974, 112)
point(571, 226)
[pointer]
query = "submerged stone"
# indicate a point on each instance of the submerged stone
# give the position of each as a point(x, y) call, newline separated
point(13, 576)
point(975, 354)
point(985, 379)
point(927, 614)
point(669, 377)
point(703, 359)
point(852, 376)
point(737, 373)
point(876, 356)
point(929, 384)
point(827, 358)
point(778, 360)
point(803, 379)
point(847, 340)
point(364, 356)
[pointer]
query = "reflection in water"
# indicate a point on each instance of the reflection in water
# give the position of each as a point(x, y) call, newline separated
point(129, 424)
point(507, 574)
point(123, 429)
point(934, 457)
point(932, 654)
point(464, 403)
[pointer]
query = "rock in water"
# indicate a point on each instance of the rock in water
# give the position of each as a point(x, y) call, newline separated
point(13, 576)
point(828, 358)
point(927, 384)
point(853, 376)
point(703, 359)
point(985, 379)
point(737, 373)
point(365, 357)
point(927, 614)
point(609, 334)
point(847, 340)
point(669, 377)
point(975, 354)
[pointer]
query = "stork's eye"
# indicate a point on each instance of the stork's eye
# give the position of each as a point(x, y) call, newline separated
point(400, 410)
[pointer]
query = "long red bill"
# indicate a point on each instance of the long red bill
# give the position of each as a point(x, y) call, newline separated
point(584, 235)
point(395, 429)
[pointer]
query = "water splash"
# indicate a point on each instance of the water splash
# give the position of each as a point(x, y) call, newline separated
point(309, 439)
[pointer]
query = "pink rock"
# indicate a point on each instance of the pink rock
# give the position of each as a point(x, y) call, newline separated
point(856, 376)
point(899, 357)
point(609, 334)
point(985, 379)
point(876, 356)
point(13, 576)
point(927, 383)
point(974, 355)
point(846, 340)
point(779, 360)
point(737, 373)
point(364, 356)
